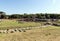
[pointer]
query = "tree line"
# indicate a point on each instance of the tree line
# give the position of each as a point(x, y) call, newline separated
point(25, 15)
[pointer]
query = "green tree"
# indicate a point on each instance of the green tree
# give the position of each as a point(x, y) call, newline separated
point(2, 15)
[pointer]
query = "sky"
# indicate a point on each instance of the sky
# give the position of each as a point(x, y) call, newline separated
point(30, 6)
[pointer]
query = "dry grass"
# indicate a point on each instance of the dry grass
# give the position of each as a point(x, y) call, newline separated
point(50, 33)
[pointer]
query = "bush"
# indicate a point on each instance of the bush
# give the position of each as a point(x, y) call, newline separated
point(47, 34)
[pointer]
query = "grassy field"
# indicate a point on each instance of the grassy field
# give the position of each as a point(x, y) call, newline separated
point(9, 24)
point(50, 33)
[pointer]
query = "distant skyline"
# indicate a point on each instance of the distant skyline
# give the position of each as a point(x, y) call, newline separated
point(30, 6)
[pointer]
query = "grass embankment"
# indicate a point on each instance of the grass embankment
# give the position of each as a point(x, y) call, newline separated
point(9, 24)
point(50, 33)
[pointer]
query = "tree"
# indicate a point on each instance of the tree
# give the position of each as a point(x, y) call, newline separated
point(15, 16)
point(2, 15)
point(47, 16)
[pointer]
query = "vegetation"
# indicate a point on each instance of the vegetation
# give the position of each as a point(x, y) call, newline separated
point(51, 33)
point(9, 24)
point(25, 15)
point(41, 33)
